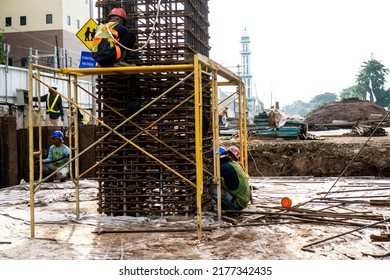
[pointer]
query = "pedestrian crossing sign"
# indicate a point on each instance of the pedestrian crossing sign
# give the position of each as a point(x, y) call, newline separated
point(87, 32)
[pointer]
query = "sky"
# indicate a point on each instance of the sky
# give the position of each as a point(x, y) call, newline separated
point(300, 48)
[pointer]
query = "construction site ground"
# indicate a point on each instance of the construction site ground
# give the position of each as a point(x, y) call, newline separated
point(336, 226)
point(337, 218)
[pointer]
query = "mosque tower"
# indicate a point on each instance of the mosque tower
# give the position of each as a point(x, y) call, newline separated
point(246, 75)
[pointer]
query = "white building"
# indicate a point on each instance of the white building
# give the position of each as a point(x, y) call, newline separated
point(37, 29)
point(39, 26)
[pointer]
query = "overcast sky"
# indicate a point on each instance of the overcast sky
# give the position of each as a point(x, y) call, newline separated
point(300, 48)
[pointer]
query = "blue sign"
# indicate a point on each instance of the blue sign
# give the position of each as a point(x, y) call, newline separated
point(86, 60)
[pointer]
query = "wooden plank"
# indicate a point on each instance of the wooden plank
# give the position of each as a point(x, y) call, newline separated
point(8, 152)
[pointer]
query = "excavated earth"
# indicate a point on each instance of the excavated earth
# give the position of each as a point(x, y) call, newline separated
point(334, 220)
point(328, 156)
point(331, 153)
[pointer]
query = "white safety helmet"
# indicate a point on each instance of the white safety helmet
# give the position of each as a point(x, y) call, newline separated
point(54, 85)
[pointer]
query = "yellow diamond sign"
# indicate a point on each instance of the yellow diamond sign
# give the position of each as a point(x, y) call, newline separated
point(87, 32)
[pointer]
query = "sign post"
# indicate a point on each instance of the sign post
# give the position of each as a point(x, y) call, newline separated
point(87, 32)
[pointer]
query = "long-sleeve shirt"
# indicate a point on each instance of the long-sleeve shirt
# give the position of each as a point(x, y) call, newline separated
point(53, 105)
point(57, 155)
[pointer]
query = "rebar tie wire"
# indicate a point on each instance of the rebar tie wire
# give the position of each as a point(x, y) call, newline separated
point(353, 159)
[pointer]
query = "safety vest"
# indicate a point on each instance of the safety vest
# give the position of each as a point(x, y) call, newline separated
point(60, 154)
point(50, 107)
point(242, 193)
point(105, 33)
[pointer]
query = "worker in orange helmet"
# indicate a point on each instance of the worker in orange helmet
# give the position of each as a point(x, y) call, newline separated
point(235, 191)
point(113, 40)
point(234, 154)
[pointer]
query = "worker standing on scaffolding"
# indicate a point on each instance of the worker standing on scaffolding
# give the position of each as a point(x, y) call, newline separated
point(54, 108)
point(113, 40)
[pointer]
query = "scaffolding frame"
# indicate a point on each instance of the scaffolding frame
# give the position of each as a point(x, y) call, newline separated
point(200, 65)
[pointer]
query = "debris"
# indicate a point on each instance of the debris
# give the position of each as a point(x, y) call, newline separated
point(229, 220)
point(368, 130)
point(384, 237)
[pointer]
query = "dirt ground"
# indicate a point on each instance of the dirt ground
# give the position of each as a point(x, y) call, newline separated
point(331, 155)
point(348, 110)
point(340, 183)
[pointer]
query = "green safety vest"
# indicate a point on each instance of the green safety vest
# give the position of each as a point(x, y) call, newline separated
point(242, 193)
point(56, 156)
point(103, 35)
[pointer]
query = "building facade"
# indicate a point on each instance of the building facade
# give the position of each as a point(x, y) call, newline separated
point(46, 29)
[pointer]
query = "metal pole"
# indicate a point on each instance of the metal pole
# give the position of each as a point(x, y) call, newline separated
point(198, 142)
point(76, 151)
point(31, 150)
point(215, 125)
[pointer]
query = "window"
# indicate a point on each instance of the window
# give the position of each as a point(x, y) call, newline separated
point(49, 18)
point(78, 24)
point(23, 20)
point(24, 61)
point(69, 62)
point(50, 61)
point(10, 62)
point(68, 20)
point(8, 21)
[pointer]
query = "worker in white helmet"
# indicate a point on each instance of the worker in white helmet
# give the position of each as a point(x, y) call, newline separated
point(54, 108)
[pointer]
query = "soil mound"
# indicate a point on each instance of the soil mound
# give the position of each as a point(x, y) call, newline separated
point(347, 110)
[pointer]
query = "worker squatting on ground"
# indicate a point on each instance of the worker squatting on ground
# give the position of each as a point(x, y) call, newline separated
point(113, 40)
point(54, 108)
point(234, 153)
point(57, 156)
point(235, 191)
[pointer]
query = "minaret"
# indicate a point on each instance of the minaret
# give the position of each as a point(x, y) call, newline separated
point(246, 63)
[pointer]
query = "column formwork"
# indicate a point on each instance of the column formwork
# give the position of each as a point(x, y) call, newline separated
point(161, 108)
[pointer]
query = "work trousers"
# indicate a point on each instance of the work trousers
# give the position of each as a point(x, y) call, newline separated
point(228, 202)
point(60, 174)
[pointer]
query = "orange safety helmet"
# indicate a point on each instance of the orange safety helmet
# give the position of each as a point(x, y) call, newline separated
point(118, 12)
point(235, 151)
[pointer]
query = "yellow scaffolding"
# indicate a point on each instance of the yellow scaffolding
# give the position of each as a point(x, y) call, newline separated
point(200, 65)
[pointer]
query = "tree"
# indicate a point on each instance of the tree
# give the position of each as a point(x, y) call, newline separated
point(350, 92)
point(370, 81)
point(320, 99)
point(2, 48)
point(302, 109)
point(297, 108)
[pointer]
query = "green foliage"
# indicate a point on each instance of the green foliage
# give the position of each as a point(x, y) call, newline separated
point(372, 76)
point(350, 92)
point(302, 108)
point(2, 49)
point(320, 99)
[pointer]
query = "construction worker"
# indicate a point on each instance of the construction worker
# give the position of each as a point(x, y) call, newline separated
point(223, 116)
point(234, 153)
point(235, 191)
point(112, 40)
point(57, 157)
point(54, 108)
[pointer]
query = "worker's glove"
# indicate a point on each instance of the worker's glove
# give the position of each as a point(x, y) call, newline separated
point(62, 118)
